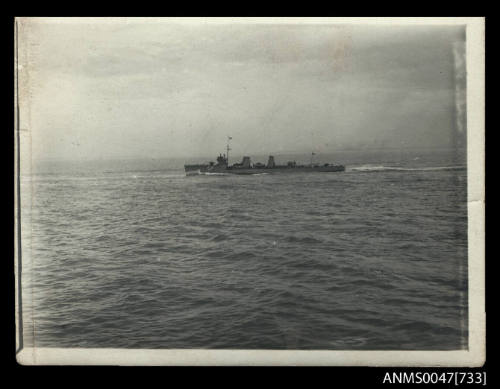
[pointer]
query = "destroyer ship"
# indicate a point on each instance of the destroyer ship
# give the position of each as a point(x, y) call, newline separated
point(246, 166)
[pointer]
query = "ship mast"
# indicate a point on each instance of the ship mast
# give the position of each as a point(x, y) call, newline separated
point(227, 150)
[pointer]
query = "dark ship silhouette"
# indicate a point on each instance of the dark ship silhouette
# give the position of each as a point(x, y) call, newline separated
point(247, 167)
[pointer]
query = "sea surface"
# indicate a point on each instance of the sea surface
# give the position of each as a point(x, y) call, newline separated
point(134, 254)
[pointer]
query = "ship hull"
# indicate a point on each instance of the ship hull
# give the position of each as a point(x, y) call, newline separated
point(207, 169)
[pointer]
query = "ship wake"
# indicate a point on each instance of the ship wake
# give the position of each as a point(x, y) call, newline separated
point(378, 168)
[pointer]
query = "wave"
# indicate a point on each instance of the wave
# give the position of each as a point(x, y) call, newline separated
point(212, 174)
point(376, 168)
point(198, 173)
point(219, 237)
point(304, 239)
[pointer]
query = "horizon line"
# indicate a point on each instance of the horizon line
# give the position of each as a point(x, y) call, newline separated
point(259, 154)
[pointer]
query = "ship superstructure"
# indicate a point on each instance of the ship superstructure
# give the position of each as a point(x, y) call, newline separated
point(247, 167)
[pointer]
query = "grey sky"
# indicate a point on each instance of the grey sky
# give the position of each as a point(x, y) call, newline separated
point(141, 89)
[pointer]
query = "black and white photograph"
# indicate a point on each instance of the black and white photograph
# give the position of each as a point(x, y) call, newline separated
point(249, 191)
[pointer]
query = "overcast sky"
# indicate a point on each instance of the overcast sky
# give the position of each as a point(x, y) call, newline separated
point(163, 89)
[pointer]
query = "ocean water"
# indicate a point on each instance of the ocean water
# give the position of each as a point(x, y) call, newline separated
point(135, 254)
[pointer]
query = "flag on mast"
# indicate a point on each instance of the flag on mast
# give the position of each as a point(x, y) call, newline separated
point(227, 149)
